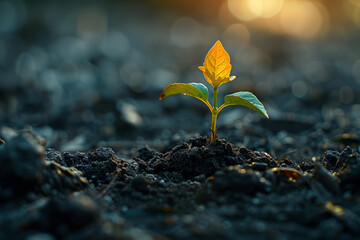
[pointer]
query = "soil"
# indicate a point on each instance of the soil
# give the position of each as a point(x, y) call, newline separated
point(88, 152)
point(197, 190)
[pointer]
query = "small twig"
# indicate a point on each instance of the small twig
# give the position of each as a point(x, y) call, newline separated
point(102, 192)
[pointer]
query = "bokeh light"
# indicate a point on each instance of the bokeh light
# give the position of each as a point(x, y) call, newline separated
point(298, 18)
point(92, 24)
point(12, 15)
point(265, 8)
point(115, 45)
point(238, 33)
point(302, 18)
point(299, 89)
point(241, 10)
point(346, 94)
point(351, 10)
point(185, 32)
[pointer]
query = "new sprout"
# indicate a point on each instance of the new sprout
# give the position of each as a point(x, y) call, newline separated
point(216, 70)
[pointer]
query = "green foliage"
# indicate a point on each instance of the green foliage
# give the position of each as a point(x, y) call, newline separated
point(216, 71)
point(246, 99)
point(196, 90)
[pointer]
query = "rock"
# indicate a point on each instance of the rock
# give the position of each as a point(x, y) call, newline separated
point(73, 214)
point(330, 159)
point(41, 236)
point(129, 114)
point(329, 182)
point(8, 133)
point(22, 162)
point(347, 156)
point(76, 144)
point(349, 170)
point(60, 180)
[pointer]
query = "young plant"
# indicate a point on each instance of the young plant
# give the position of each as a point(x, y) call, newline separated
point(216, 71)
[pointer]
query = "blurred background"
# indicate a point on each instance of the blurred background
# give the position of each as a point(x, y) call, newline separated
point(89, 73)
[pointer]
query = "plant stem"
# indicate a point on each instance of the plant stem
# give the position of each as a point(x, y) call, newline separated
point(216, 89)
point(213, 127)
point(214, 114)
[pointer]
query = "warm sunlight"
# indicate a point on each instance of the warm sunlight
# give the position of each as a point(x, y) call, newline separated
point(298, 18)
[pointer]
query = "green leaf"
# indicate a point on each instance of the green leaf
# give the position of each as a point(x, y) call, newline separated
point(196, 90)
point(246, 99)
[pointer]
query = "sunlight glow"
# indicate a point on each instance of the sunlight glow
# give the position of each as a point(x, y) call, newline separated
point(248, 10)
point(355, 2)
point(301, 18)
point(298, 18)
point(240, 9)
point(265, 8)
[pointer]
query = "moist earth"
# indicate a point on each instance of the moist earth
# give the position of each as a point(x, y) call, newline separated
point(196, 190)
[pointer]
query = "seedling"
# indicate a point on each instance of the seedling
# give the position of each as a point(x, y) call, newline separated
point(216, 71)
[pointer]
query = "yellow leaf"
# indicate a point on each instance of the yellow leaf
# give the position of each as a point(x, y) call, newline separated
point(217, 66)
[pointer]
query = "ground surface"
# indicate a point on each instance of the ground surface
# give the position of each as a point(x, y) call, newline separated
point(90, 152)
point(197, 190)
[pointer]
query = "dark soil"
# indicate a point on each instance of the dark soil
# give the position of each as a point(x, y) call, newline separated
point(197, 190)
point(88, 152)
